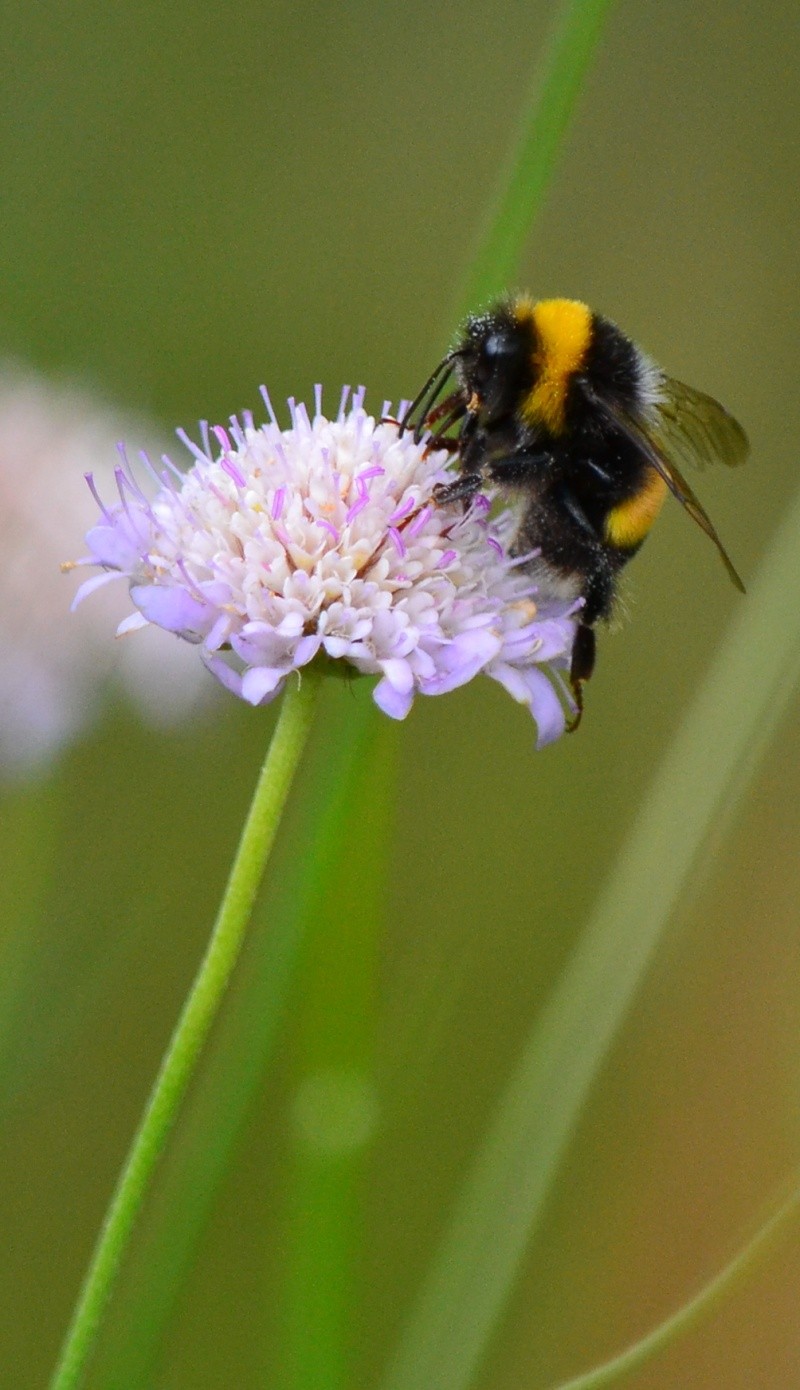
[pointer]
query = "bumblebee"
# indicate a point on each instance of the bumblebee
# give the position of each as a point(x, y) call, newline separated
point(555, 405)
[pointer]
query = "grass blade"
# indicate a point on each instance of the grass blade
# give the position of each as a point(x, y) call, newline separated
point(556, 88)
point(704, 1303)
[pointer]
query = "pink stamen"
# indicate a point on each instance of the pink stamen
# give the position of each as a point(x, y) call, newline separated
point(327, 526)
point(228, 466)
point(358, 506)
point(268, 404)
point(193, 448)
point(121, 481)
point(398, 542)
point(123, 453)
point(496, 546)
point(419, 521)
point(92, 486)
point(149, 465)
point(400, 512)
point(277, 503)
point(167, 482)
point(523, 559)
point(172, 468)
point(238, 433)
point(223, 437)
point(126, 470)
point(220, 496)
point(447, 559)
point(191, 583)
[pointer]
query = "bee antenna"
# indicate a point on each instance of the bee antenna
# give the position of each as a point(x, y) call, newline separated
point(427, 395)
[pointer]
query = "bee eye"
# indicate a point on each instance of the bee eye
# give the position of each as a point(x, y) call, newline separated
point(496, 345)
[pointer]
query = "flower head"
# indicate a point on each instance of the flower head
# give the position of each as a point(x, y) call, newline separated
point(279, 545)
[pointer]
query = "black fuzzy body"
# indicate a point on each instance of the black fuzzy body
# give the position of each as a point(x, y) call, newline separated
point(570, 477)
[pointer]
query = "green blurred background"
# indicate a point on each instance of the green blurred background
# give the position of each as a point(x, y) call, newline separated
point(200, 198)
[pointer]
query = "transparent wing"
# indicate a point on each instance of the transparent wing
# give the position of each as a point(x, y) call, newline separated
point(679, 487)
point(661, 457)
point(692, 428)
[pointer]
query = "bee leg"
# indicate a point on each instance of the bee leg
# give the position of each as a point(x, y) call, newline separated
point(451, 446)
point(464, 487)
point(518, 468)
point(571, 505)
point(456, 398)
point(583, 656)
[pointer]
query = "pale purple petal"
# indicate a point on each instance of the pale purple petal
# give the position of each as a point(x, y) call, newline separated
point(218, 633)
point(306, 649)
point(552, 638)
point(393, 702)
point(115, 546)
point(133, 623)
point(399, 675)
point(337, 647)
point(546, 708)
point(512, 678)
point(539, 694)
point(172, 608)
point(461, 660)
point(225, 674)
point(261, 683)
point(98, 581)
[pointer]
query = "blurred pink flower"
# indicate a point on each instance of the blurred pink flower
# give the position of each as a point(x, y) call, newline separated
point(54, 671)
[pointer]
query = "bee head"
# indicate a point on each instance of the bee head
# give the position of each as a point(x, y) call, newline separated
point(493, 364)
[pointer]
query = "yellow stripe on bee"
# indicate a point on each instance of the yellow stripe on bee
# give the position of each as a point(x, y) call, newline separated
point(563, 330)
point(628, 523)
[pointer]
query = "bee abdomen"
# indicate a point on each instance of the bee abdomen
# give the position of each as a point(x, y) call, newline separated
point(628, 523)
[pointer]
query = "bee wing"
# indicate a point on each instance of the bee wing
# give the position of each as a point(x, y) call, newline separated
point(692, 428)
point(679, 488)
point(656, 450)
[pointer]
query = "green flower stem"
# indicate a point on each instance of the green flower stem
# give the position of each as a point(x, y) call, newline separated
point(198, 1014)
point(697, 1309)
point(557, 85)
point(329, 815)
